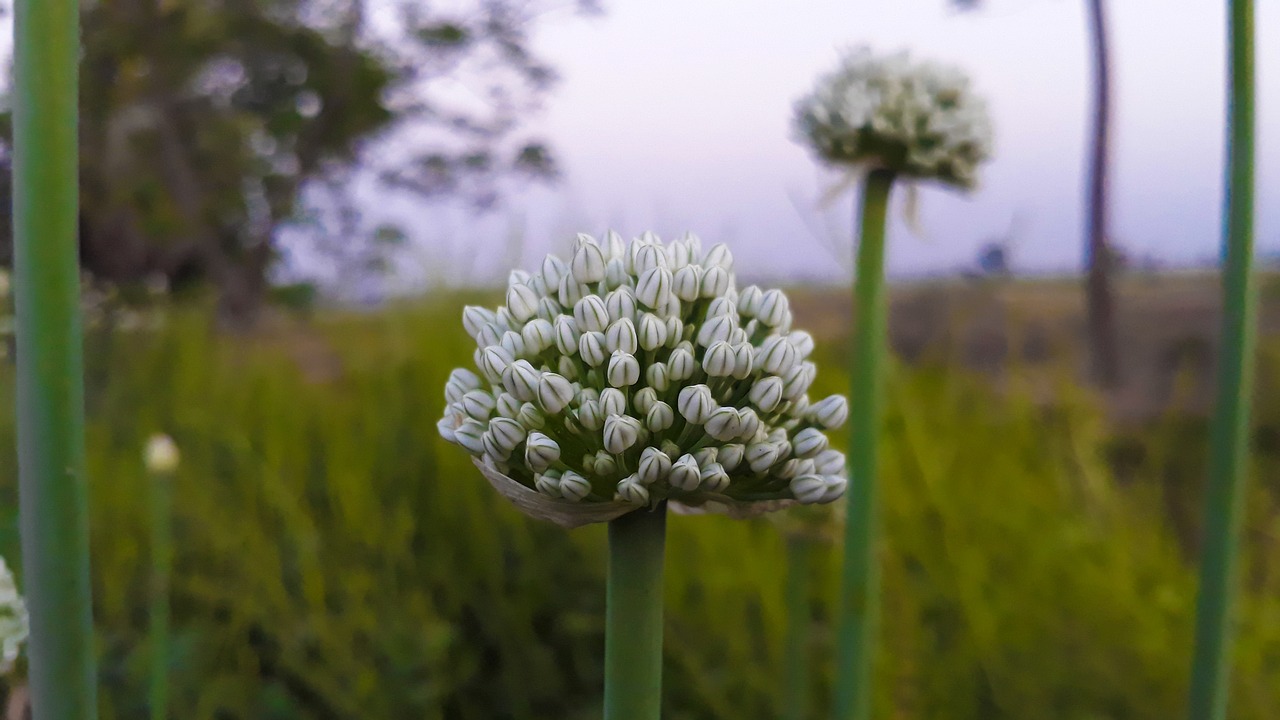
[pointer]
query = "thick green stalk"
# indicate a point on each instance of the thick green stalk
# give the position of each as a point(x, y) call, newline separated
point(161, 569)
point(633, 617)
point(1229, 456)
point(860, 580)
point(795, 697)
point(53, 496)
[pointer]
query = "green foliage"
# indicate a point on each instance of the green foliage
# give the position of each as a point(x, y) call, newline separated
point(335, 559)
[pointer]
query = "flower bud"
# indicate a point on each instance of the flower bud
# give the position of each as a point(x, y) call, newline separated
point(675, 332)
point(835, 487)
point(494, 360)
point(809, 442)
point(715, 282)
point(777, 356)
point(766, 393)
point(657, 377)
point(707, 455)
point(713, 478)
point(621, 303)
point(548, 484)
point(715, 330)
point(620, 433)
point(518, 277)
point(654, 466)
point(513, 342)
point(808, 489)
point(474, 318)
point(590, 314)
point(470, 436)
point(566, 335)
point(718, 360)
point(621, 335)
point(723, 424)
point(507, 432)
point(696, 404)
point(503, 320)
point(670, 308)
point(659, 417)
point(592, 347)
point(624, 369)
point(507, 406)
point(538, 335)
point(615, 274)
point(478, 404)
point(589, 415)
point(540, 451)
point(553, 270)
point(687, 283)
point(761, 456)
point(531, 417)
point(749, 301)
point(730, 456)
point(649, 257)
point(685, 474)
point(489, 335)
point(802, 342)
point(722, 306)
point(652, 333)
point(587, 265)
point(630, 490)
point(829, 462)
point(548, 308)
point(797, 382)
point(571, 291)
point(830, 412)
point(605, 464)
point(773, 308)
point(718, 256)
point(612, 402)
point(793, 468)
point(554, 392)
point(521, 380)
point(742, 360)
point(460, 381)
point(522, 301)
point(615, 245)
point(644, 400)
point(681, 364)
point(573, 486)
point(653, 287)
point(749, 423)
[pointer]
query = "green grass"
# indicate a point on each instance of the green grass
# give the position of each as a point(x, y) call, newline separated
point(335, 559)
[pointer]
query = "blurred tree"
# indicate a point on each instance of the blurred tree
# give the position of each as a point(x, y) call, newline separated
point(993, 259)
point(209, 126)
point(1099, 296)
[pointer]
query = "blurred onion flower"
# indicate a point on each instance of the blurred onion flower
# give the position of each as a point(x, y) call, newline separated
point(642, 374)
point(13, 620)
point(918, 119)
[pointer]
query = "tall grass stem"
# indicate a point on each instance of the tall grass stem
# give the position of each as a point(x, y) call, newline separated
point(52, 489)
point(795, 695)
point(860, 577)
point(1229, 455)
point(161, 510)
point(633, 617)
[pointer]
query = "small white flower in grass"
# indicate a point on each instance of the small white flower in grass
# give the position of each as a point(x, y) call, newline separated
point(540, 451)
point(161, 455)
point(14, 621)
point(830, 412)
point(918, 119)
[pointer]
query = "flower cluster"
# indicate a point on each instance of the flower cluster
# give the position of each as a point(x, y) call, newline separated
point(638, 372)
point(918, 119)
point(13, 619)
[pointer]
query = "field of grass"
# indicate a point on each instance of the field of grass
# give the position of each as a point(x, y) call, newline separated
point(336, 559)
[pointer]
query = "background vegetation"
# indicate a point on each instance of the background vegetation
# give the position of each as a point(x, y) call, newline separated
point(335, 559)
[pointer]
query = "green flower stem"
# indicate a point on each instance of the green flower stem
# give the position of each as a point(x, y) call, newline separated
point(795, 695)
point(633, 619)
point(161, 507)
point(53, 496)
point(1219, 581)
point(860, 580)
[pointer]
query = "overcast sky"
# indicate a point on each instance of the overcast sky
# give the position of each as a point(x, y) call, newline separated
point(675, 116)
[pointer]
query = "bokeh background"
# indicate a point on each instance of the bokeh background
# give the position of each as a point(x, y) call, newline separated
point(286, 203)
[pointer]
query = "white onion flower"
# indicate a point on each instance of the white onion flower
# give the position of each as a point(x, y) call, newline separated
point(14, 621)
point(918, 119)
point(637, 372)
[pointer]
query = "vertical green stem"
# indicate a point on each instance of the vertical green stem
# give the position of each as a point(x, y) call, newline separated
point(860, 580)
point(53, 496)
point(633, 618)
point(161, 569)
point(1211, 666)
point(796, 656)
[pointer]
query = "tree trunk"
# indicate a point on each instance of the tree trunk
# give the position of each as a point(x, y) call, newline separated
point(1098, 259)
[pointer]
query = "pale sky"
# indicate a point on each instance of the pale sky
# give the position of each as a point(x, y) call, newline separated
point(676, 116)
